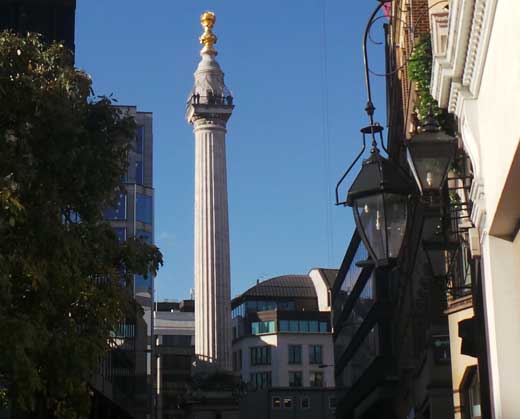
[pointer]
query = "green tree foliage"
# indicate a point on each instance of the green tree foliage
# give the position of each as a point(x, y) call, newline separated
point(64, 285)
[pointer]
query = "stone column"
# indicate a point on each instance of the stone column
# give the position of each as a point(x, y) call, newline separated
point(209, 107)
point(212, 272)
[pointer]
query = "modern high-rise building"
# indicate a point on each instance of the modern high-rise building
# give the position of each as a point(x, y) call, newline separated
point(209, 108)
point(133, 217)
point(54, 19)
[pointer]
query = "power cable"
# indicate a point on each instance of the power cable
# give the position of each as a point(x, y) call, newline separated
point(326, 133)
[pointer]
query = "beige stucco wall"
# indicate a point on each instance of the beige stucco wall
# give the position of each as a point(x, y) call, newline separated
point(459, 362)
point(502, 299)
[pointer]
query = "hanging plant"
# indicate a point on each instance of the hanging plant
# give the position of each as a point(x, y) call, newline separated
point(420, 71)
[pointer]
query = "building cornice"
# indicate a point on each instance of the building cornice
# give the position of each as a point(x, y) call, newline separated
point(459, 64)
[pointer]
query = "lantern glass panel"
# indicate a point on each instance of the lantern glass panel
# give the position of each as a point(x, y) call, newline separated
point(430, 163)
point(437, 259)
point(396, 209)
point(370, 211)
point(382, 218)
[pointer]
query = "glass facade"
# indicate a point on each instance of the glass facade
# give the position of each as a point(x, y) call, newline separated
point(139, 140)
point(305, 326)
point(137, 205)
point(120, 233)
point(145, 235)
point(139, 176)
point(255, 306)
point(365, 354)
point(119, 211)
point(351, 278)
point(257, 328)
point(144, 208)
point(359, 312)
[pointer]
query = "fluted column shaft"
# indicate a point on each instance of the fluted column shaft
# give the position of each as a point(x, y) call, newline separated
point(212, 272)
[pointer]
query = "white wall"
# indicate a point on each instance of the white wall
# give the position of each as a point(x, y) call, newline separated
point(485, 97)
point(279, 356)
point(322, 289)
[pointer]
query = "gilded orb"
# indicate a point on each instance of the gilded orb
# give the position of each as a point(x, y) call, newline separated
point(207, 19)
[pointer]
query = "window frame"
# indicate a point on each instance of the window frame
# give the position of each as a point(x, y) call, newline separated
point(300, 373)
point(313, 383)
point(312, 355)
point(260, 355)
point(293, 350)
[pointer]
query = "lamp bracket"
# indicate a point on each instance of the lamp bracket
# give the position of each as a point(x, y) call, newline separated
point(375, 128)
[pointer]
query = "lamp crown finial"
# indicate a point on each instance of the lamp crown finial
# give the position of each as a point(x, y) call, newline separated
point(208, 38)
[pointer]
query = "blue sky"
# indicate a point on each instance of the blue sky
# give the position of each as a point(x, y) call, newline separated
point(286, 145)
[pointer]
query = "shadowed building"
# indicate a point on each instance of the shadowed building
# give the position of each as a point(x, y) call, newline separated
point(174, 330)
point(54, 19)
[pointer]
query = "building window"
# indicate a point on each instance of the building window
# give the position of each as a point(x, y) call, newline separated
point(286, 305)
point(261, 379)
point(316, 379)
point(258, 328)
point(139, 172)
point(237, 360)
point(295, 354)
point(119, 211)
point(305, 326)
point(144, 208)
point(175, 362)
point(120, 233)
point(260, 355)
point(295, 379)
point(146, 236)
point(139, 140)
point(305, 403)
point(332, 403)
point(176, 340)
point(441, 349)
point(315, 354)
point(276, 402)
point(266, 305)
point(470, 394)
point(287, 403)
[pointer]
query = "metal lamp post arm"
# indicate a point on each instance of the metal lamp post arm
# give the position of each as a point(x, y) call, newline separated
point(373, 128)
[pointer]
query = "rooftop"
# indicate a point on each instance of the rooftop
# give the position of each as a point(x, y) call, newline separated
point(290, 286)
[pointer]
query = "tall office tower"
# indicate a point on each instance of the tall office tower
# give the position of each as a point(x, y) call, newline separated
point(54, 19)
point(133, 217)
point(209, 108)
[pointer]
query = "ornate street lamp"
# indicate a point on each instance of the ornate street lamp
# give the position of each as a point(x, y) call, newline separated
point(438, 247)
point(381, 194)
point(430, 154)
point(380, 197)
